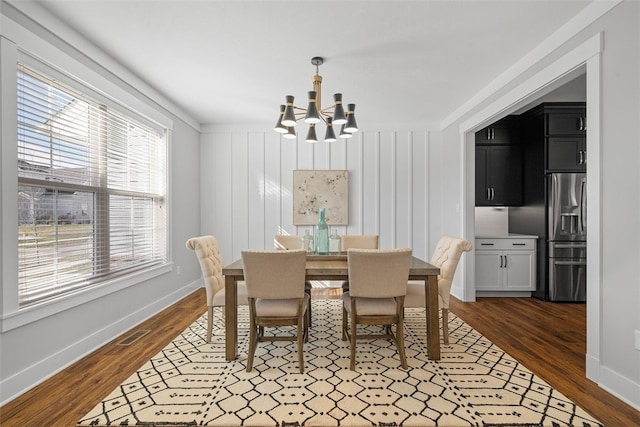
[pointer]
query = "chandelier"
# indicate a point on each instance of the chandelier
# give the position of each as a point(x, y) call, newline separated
point(314, 113)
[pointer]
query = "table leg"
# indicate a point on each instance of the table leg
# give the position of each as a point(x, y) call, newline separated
point(230, 317)
point(433, 327)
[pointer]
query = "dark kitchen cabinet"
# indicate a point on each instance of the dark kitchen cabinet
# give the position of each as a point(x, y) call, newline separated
point(502, 132)
point(498, 175)
point(566, 121)
point(561, 128)
point(499, 164)
point(568, 153)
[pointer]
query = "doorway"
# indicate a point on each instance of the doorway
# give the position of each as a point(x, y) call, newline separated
point(585, 59)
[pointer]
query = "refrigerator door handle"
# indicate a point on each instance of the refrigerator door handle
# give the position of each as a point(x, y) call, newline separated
point(553, 187)
point(570, 245)
point(582, 262)
point(583, 205)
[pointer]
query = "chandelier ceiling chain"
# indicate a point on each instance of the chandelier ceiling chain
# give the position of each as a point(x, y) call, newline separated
point(314, 113)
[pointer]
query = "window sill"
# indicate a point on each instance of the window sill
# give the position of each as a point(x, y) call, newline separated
point(26, 315)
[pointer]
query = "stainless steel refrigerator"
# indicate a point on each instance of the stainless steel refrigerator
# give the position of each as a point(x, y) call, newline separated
point(566, 236)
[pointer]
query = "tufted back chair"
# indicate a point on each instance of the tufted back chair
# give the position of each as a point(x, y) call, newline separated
point(208, 252)
point(446, 256)
point(210, 259)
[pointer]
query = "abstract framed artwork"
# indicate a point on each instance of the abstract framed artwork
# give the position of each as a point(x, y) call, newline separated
point(315, 189)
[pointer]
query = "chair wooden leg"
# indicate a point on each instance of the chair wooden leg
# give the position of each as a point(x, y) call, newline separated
point(309, 311)
point(307, 290)
point(344, 323)
point(253, 342)
point(445, 325)
point(209, 323)
point(352, 366)
point(301, 335)
point(400, 342)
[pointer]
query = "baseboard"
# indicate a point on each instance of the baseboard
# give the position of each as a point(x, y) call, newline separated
point(510, 294)
point(614, 383)
point(593, 368)
point(621, 387)
point(44, 369)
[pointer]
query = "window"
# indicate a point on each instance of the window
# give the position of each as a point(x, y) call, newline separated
point(91, 188)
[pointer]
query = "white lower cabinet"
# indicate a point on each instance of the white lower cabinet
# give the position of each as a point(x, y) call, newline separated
point(506, 264)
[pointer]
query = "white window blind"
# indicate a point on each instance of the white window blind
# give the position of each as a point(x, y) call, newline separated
point(91, 189)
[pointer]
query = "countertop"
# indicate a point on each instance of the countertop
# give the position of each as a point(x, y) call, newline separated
point(507, 236)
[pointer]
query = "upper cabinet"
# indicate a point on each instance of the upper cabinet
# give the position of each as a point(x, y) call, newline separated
point(566, 120)
point(499, 164)
point(503, 132)
point(563, 131)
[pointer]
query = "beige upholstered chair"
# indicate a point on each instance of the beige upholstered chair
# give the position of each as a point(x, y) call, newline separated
point(357, 241)
point(446, 256)
point(275, 287)
point(285, 241)
point(378, 284)
point(288, 242)
point(210, 258)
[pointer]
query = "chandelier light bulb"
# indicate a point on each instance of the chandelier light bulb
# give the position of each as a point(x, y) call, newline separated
point(330, 135)
point(289, 117)
point(311, 135)
point(312, 110)
point(291, 133)
point(344, 134)
point(279, 127)
point(339, 117)
point(351, 125)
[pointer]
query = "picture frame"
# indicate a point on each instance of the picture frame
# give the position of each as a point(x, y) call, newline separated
point(315, 189)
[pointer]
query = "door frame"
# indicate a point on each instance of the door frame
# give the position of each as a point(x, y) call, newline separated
point(585, 58)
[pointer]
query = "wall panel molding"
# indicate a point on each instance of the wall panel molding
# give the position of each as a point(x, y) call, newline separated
point(247, 178)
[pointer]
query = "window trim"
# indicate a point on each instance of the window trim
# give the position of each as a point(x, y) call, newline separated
point(12, 315)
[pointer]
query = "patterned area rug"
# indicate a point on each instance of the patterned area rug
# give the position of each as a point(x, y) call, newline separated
point(189, 383)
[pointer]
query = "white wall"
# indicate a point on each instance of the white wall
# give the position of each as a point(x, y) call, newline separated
point(614, 243)
point(38, 349)
point(395, 188)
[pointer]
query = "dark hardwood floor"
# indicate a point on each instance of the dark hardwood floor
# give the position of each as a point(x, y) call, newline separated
point(547, 338)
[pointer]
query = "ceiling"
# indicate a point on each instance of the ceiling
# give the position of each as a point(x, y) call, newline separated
point(233, 62)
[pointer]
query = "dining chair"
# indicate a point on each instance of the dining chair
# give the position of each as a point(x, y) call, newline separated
point(289, 242)
point(446, 256)
point(208, 252)
point(357, 241)
point(378, 284)
point(275, 289)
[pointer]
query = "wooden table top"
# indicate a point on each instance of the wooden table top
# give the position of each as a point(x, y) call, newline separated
point(336, 265)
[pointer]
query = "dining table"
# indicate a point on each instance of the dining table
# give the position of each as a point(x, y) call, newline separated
point(333, 267)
